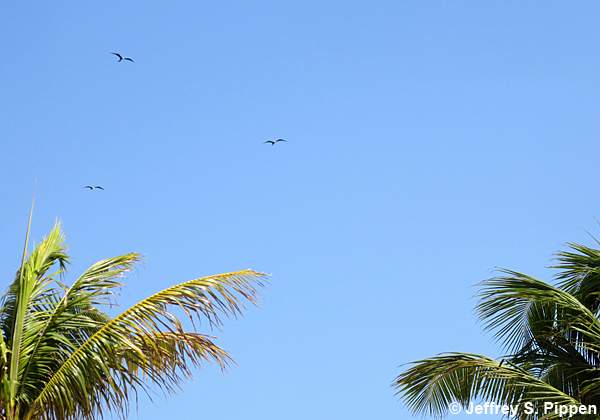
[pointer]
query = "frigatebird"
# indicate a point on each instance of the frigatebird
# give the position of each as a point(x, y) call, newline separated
point(122, 57)
point(274, 141)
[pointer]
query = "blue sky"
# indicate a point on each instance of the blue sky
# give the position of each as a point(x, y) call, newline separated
point(428, 142)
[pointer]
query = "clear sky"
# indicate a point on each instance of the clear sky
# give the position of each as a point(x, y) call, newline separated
point(428, 142)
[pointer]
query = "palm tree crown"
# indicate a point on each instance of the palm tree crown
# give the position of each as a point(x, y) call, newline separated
point(550, 335)
point(62, 357)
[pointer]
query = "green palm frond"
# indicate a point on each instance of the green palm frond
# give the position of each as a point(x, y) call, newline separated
point(99, 359)
point(28, 299)
point(431, 385)
point(517, 306)
point(579, 274)
point(62, 357)
point(551, 336)
point(74, 312)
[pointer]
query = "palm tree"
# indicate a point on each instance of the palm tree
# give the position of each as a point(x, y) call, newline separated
point(551, 338)
point(62, 357)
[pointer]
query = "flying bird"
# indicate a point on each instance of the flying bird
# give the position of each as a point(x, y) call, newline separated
point(122, 57)
point(272, 142)
point(94, 187)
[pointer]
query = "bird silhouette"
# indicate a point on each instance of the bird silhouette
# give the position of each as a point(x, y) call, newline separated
point(121, 57)
point(94, 187)
point(272, 142)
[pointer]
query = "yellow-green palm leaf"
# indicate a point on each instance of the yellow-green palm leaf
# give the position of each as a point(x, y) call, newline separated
point(63, 357)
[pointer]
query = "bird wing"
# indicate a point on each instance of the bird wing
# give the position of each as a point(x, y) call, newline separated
point(99, 187)
point(269, 141)
point(129, 59)
point(118, 55)
point(89, 186)
point(278, 140)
